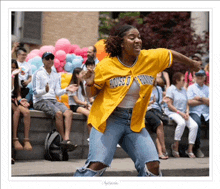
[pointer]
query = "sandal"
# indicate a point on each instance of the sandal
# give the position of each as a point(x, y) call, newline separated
point(174, 153)
point(27, 144)
point(67, 144)
point(190, 154)
point(17, 145)
point(163, 156)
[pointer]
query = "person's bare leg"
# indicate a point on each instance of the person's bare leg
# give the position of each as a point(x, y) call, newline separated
point(27, 120)
point(86, 112)
point(190, 148)
point(159, 148)
point(68, 114)
point(59, 123)
point(96, 166)
point(153, 167)
point(27, 123)
point(16, 115)
point(160, 136)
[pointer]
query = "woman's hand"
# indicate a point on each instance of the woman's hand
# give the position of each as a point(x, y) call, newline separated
point(72, 88)
point(185, 116)
point(15, 72)
point(89, 76)
point(24, 103)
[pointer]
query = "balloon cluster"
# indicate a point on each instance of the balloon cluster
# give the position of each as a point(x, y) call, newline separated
point(67, 56)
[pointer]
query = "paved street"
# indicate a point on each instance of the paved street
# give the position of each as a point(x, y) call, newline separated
point(119, 167)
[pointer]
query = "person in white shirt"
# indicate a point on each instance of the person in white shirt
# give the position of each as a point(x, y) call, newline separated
point(46, 86)
point(25, 76)
point(78, 100)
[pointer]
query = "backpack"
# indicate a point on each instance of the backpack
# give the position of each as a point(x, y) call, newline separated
point(53, 151)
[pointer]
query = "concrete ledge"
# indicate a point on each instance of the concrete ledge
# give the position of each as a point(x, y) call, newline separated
point(42, 124)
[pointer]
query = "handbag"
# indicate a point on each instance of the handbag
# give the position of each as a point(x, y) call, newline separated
point(163, 117)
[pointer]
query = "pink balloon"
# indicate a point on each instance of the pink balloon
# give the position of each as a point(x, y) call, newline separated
point(78, 52)
point(48, 48)
point(73, 48)
point(56, 63)
point(60, 69)
point(35, 51)
point(84, 60)
point(30, 56)
point(84, 53)
point(62, 63)
point(63, 44)
point(61, 55)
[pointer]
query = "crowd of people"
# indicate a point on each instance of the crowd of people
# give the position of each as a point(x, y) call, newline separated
point(130, 89)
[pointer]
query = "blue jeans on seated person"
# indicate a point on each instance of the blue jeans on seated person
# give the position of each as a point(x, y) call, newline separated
point(199, 121)
point(29, 96)
point(102, 146)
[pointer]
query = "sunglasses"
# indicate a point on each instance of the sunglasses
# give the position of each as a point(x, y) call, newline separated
point(49, 57)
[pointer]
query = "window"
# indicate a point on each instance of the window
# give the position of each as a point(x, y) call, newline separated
point(12, 23)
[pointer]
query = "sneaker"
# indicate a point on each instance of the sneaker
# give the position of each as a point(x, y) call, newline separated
point(199, 153)
point(118, 146)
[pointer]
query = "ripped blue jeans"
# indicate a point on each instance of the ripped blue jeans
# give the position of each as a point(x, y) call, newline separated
point(102, 146)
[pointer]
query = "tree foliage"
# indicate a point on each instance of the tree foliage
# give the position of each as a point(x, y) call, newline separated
point(170, 30)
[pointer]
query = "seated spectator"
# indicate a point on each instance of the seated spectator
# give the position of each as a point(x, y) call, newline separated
point(19, 106)
point(25, 75)
point(178, 110)
point(198, 99)
point(89, 64)
point(190, 76)
point(46, 86)
point(163, 81)
point(154, 122)
point(207, 74)
point(77, 100)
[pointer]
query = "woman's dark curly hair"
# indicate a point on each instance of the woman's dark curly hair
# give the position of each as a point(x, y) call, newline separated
point(114, 41)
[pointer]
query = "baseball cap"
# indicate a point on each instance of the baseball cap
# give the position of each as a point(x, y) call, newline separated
point(47, 54)
point(200, 73)
point(197, 55)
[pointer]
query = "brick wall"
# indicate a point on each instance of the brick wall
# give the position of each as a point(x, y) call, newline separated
point(79, 28)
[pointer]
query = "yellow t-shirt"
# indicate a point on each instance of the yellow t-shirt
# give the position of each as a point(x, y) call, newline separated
point(113, 79)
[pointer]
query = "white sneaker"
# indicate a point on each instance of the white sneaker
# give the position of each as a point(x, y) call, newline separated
point(118, 146)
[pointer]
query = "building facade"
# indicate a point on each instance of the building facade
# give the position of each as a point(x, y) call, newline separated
point(36, 29)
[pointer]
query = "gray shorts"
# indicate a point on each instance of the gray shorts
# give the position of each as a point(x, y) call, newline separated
point(50, 107)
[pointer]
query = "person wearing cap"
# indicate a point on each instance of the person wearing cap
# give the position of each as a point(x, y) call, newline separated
point(46, 86)
point(190, 76)
point(198, 99)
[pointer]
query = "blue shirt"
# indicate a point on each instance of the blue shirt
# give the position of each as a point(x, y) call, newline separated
point(179, 98)
point(159, 97)
point(196, 90)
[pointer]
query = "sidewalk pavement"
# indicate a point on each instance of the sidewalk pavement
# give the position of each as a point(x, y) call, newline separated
point(119, 167)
